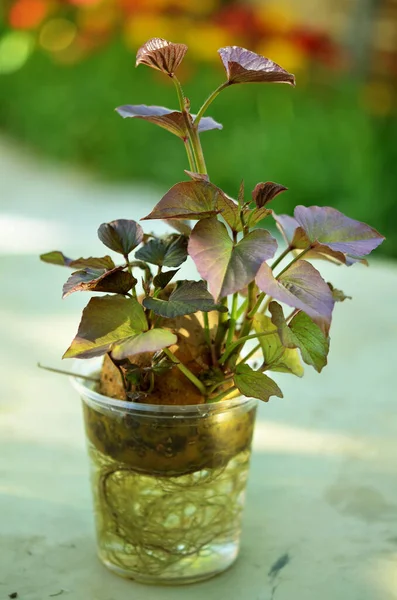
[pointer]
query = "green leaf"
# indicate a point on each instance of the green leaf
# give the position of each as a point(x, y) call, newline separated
point(104, 262)
point(230, 211)
point(188, 200)
point(56, 258)
point(116, 281)
point(186, 299)
point(254, 384)
point(276, 356)
point(162, 279)
point(227, 266)
point(256, 215)
point(106, 321)
point(122, 235)
point(338, 295)
point(304, 334)
point(148, 341)
point(166, 252)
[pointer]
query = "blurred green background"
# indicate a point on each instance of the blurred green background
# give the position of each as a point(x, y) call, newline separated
point(65, 66)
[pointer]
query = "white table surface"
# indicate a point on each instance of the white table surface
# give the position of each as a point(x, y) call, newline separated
point(323, 481)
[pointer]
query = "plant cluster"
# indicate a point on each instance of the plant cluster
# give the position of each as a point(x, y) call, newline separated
point(231, 254)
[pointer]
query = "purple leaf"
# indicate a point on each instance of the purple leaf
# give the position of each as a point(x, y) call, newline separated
point(161, 55)
point(188, 200)
point(106, 321)
point(228, 267)
point(115, 281)
point(208, 124)
point(244, 66)
point(325, 226)
point(297, 239)
point(122, 235)
point(148, 341)
point(300, 286)
point(171, 120)
point(263, 193)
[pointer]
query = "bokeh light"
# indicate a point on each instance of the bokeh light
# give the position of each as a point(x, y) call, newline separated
point(15, 48)
point(57, 34)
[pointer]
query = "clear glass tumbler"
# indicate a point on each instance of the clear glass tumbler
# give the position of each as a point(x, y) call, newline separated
point(168, 484)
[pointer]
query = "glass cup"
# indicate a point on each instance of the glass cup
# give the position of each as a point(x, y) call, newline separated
point(168, 483)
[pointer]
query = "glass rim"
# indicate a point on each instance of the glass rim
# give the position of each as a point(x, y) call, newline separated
point(84, 390)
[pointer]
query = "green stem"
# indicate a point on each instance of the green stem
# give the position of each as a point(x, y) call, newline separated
point(281, 257)
point(294, 261)
point(238, 343)
point(242, 308)
point(233, 320)
point(129, 267)
point(190, 156)
point(218, 384)
point(209, 100)
point(199, 385)
point(207, 334)
point(231, 392)
point(197, 150)
point(258, 303)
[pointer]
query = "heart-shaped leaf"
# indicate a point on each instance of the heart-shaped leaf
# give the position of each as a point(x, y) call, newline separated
point(162, 279)
point(300, 286)
point(188, 298)
point(254, 384)
point(275, 355)
point(122, 235)
point(56, 258)
point(166, 252)
point(263, 193)
point(106, 321)
point(116, 281)
point(244, 66)
point(228, 267)
point(188, 200)
point(148, 341)
point(297, 240)
point(171, 120)
point(327, 226)
point(161, 55)
point(304, 334)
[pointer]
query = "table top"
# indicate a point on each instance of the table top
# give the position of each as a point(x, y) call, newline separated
point(323, 482)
